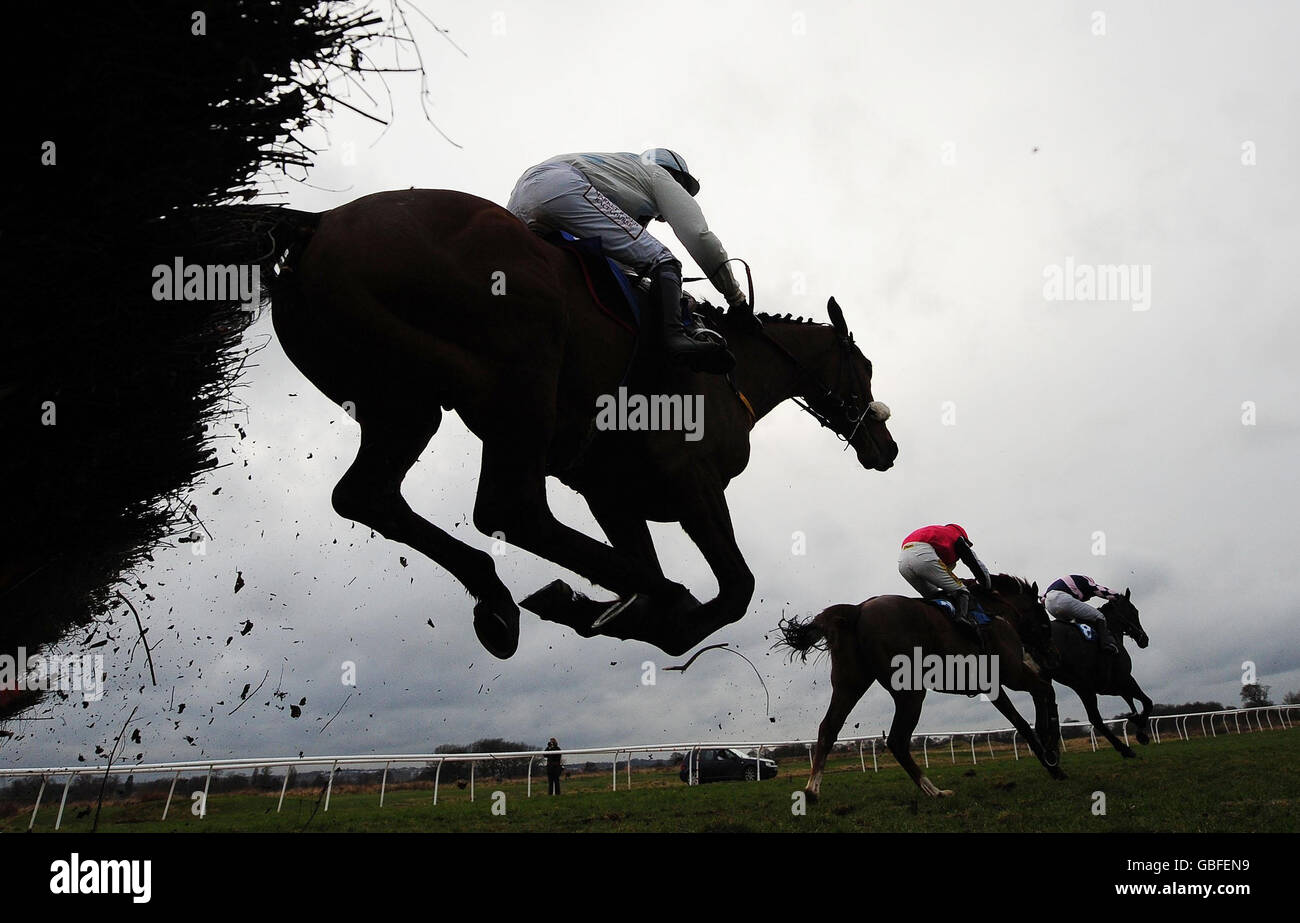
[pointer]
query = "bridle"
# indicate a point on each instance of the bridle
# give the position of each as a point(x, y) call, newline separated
point(1121, 619)
point(828, 402)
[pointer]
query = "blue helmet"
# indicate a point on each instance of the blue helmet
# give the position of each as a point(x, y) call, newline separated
point(674, 164)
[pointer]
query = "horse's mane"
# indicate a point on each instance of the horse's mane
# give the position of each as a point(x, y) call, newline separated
point(715, 315)
point(1008, 583)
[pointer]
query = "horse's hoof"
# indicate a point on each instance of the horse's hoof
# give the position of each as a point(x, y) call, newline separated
point(551, 598)
point(1128, 753)
point(497, 628)
point(615, 609)
point(810, 796)
point(944, 793)
point(1143, 739)
point(1058, 773)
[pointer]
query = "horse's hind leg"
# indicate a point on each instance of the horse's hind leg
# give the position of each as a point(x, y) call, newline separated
point(370, 493)
point(512, 500)
point(626, 531)
point(907, 712)
point(1089, 700)
point(844, 695)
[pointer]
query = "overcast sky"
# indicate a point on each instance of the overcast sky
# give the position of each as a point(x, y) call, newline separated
point(885, 154)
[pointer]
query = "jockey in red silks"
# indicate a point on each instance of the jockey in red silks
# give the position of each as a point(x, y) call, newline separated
point(1067, 599)
point(930, 553)
point(613, 197)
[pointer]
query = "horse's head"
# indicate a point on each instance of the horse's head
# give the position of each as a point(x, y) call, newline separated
point(834, 385)
point(1123, 618)
point(1018, 600)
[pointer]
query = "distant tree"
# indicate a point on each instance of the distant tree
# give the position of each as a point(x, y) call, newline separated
point(1255, 695)
point(1291, 698)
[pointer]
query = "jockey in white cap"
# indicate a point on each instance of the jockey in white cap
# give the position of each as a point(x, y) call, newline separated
point(613, 197)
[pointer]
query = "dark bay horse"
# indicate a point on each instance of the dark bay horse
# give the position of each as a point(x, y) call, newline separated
point(1090, 673)
point(880, 640)
point(403, 305)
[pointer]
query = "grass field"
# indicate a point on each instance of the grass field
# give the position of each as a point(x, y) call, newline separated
point(1236, 783)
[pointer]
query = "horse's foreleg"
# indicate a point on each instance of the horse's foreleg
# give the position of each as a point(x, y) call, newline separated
point(907, 712)
point(370, 493)
point(843, 697)
point(1133, 691)
point(1008, 709)
point(1089, 700)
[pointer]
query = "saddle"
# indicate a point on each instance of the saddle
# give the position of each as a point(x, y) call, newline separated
point(627, 299)
point(976, 612)
point(610, 287)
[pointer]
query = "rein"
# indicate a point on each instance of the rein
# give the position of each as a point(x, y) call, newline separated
point(802, 373)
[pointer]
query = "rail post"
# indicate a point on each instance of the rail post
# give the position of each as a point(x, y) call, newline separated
point(283, 787)
point(329, 785)
point(39, 795)
point(207, 783)
point(64, 800)
point(171, 791)
point(383, 783)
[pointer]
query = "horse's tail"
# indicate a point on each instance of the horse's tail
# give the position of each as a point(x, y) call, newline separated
point(279, 236)
point(270, 237)
point(800, 636)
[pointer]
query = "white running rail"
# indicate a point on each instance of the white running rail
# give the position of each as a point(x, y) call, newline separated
point(1230, 719)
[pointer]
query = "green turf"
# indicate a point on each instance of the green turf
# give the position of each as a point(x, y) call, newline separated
point(1243, 783)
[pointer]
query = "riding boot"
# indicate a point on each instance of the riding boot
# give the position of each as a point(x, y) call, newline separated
point(1105, 638)
point(699, 347)
point(963, 612)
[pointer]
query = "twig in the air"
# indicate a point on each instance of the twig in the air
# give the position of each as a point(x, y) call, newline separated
point(99, 804)
point(143, 640)
point(249, 696)
point(336, 714)
point(723, 647)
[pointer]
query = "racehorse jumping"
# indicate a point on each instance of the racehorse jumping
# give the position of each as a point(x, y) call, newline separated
point(402, 305)
point(1090, 673)
point(879, 640)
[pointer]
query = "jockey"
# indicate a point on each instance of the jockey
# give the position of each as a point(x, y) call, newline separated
point(613, 197)
point(930, 553)
point(1067, 600)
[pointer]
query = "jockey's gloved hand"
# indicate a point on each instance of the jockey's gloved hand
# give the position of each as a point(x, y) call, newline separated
point(741, 315)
